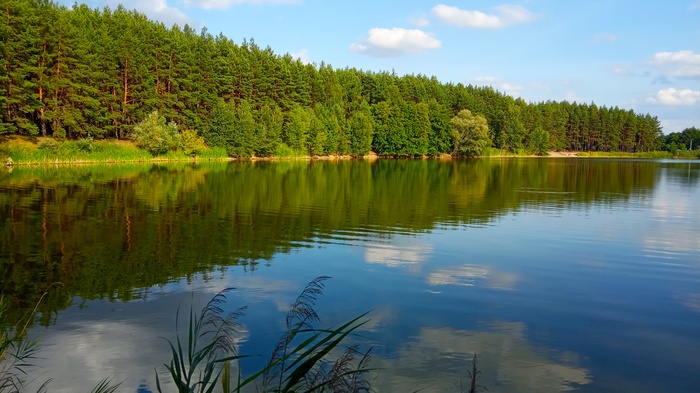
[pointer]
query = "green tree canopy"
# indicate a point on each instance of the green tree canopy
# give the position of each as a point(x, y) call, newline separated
point(72, 72)
point(470, 133)
point(154, 135)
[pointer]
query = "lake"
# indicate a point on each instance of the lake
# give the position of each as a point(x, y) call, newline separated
point(562, 274)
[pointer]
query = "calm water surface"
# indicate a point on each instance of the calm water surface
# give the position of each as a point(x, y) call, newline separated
point(561, 274)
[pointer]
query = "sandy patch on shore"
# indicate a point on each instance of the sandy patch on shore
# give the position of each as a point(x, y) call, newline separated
point(563, 154)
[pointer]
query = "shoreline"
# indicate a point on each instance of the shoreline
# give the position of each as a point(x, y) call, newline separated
point(369, 157)
point(18, 151)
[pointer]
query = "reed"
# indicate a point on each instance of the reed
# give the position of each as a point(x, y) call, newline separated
point(196, 365)
point(302, 360)
point(474, 374)
point(17, 354)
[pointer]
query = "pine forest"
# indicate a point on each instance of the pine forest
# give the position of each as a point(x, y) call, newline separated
point(80, 72)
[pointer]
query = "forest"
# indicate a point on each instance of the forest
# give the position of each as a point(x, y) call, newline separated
point(79, 72)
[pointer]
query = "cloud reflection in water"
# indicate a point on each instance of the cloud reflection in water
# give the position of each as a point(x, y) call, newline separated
point(437, 359)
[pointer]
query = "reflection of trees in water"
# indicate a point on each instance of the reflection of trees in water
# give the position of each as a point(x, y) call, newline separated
point(105, 231)
point(686, 173)
point(508, 362)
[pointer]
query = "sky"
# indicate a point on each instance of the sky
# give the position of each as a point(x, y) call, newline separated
point(642, 55)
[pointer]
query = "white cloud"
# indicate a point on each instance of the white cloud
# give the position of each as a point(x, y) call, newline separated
point(673, 96)
point(224, 4)
point(420, 22)
point(501, 85)
point(395, 42)
point(485, 79)
point(397, 255)
point(683, 64)
point(467, 275)
point(504, 16)
point(461, 276)
point(573, 97)
point(695, 5)
point(155, 9)
point(302, 55)
point(436, 354)
point(604, 37)
point(621, 69)
point(510, 88)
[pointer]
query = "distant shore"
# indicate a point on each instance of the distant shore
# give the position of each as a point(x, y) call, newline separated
point(21, 151)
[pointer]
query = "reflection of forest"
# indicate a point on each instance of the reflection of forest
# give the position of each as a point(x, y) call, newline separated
point(104, 232)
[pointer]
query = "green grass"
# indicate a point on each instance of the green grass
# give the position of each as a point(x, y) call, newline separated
point(620, 154)
point(41, 151)
point(687, 154)
point(284, 151)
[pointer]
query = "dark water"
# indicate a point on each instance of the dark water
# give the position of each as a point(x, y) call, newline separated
point(561, 274)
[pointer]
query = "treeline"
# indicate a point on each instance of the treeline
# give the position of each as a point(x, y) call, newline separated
point(688, 139)
point(80, 72)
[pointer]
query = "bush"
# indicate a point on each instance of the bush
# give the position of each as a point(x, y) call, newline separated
point(154, 135)
point(284, 151)
point(85, 144)
point(49, 145)
point(191, 143)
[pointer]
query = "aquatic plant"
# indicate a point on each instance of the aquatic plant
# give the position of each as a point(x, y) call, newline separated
point(210, 342)
point(302, 361)
point(16, 353)
point(474, 373)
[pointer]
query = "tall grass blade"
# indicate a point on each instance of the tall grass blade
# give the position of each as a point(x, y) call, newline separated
point(105, 386)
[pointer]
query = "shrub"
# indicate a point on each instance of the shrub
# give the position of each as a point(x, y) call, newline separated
point(154, 135)
point(49, 145)
point(191, 143)
point(285, 151)
point(85, 144)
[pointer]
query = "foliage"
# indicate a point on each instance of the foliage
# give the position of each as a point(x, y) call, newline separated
point(220, 124)
point(69, 151)
point(539, 141)
point(474, 375)
point(299, 363)
point(74, 72)
point(155, 136)
point(191, 143)
point(211, 342)
point(49, 145)
point(16, 353)
point(361, 129)
point(688, 139)
point(285, 151)
point(298, 128)
point(470, 133)
point(85, 144)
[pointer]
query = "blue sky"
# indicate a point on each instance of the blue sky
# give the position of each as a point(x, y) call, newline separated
point(642, 55)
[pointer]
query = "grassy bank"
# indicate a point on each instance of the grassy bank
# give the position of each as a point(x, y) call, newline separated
point(47, 150)
point(681, 154)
